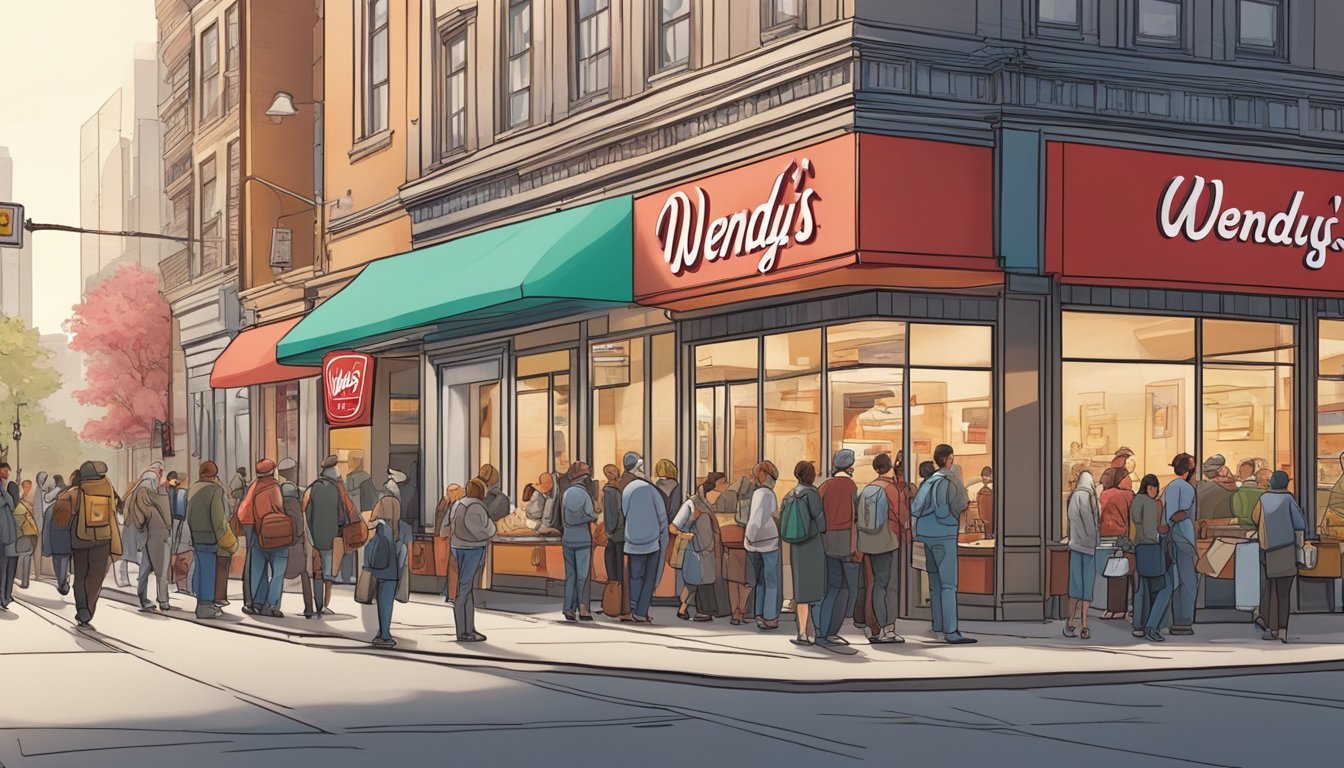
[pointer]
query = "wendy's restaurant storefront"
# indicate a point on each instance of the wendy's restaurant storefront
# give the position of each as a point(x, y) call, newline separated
point(1199, 312)
point(844, 295)
point(517, 347)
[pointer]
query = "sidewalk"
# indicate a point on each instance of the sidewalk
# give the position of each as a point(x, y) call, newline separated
point(528, 633)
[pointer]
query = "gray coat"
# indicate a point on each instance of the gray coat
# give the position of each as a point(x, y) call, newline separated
point(9, 528)
point(808, 559)
point(701, 565)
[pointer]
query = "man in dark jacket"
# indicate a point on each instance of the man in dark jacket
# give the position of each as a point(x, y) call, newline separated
point(327, 507)
point(208, 521)
point(9, 551)
point(97, 538)
point(301, 551)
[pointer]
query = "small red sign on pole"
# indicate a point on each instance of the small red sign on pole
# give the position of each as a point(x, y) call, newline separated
point(347, 383)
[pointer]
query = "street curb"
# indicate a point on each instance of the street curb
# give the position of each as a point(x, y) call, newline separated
point(735, 682)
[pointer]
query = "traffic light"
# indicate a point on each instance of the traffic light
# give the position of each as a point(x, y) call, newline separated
point(11, 225)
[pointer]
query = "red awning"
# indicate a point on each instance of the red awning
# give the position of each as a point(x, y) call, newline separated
point(250, 359)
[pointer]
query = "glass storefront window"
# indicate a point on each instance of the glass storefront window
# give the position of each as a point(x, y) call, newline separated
point(545, 417)
point(1329, 469)
point(280, 420)
point(1132, 401)
point(533, 412)
point(663, 400)
point(867, 416)
point(726, 412)
point(618, 400)
point(953, 346)
point(1105, 336)
point(792, 402)
point(874, 343)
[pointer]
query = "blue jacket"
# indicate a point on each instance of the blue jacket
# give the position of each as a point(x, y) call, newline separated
point(645, 518)
point(932, 509)
point(576, 513)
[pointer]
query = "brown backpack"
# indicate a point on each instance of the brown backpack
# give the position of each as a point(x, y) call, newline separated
point(275, 529)
point(99, 511)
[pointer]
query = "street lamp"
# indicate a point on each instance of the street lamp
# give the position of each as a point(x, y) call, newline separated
point(18, 436)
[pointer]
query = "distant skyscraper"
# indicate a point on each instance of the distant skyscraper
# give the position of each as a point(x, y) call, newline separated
point(16, 265)
point(121, 175)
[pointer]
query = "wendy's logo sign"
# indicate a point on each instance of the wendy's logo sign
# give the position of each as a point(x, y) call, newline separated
point(347, 382)
point(1286, 227)
point(689, 236)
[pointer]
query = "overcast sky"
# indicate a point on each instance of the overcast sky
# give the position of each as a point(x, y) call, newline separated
point(59, 61)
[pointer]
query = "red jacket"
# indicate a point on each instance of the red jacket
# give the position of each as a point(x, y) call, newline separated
point(838, 499)
point(263, 498)
point(1115, 504)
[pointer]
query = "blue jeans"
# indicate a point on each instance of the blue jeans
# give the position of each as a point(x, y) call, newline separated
point(464, 604)
point(385, 596)
point(203, 578)
point(268, 575)
point(1152, 599)
point(1187, 590)
point(643, 579)
point(940, 555)
point(765, 565)
point(578, 572)
point(842, 592)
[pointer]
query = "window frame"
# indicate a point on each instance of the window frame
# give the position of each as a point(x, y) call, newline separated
point(577, 59)
point(371, 87)
point(506, 121)
point(1279, 49)
point(211, 77)
point(1148, 41)
point(656, 65)
point(443, 115)
point(773, 28)
point(1051, 28)
point(211, 218)
point(233, 197)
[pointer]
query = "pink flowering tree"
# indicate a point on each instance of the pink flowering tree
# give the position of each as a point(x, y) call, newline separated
point(123, 328)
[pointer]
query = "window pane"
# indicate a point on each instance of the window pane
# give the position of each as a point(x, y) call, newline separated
point(743, 444)
point(378, 109)
point(954, 345)
point(1329, 469)
point(534, 434)
point(1259, 24)
point(1160, 19)
point(709, 430)
point(457, 53)
point(663, 397)
point(726, 361)
point(210, 50)
point(676, 43)
point(520, 27)
point(614, 362)
point(1247, 418)
point(1059, 11)
point(867, 416)
point(378, 13)
point(562, 433)
point(788, 354)
point(378, 58)
point(674, 8)
point(1128, 337)
point(868, 343)
point(547, 362)
point(1249, 342)
point(520, 73)
point(518, 108)
point(792, 425)
point(1143, 407)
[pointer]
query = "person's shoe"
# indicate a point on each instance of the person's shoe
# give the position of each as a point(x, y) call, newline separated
point(1259, 621)
point(568, 616)
point(956, 638)
point(1138, 633)
point(1283, 637)
point(1182, 631)
point(700, 617)
point(384, 642)
point(836, 648)
point(252, 610)
point(586, 617)
point(328, 612)
point(165, 607)
point(1270, 635)
point(801, 641)
point(146, 606)
point(769, 626)
point(736, 622)
point(889, 636)
point(836, 640)
point(222, 603)
point(1069, 631)
point(275, 613)
point(626, 617)
point(641, 619)
point(86, 626)
point(1155, 636)
point(64, 589)
point(308, 614)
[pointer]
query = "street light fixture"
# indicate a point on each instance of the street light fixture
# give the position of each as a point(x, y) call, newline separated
point(282, 106)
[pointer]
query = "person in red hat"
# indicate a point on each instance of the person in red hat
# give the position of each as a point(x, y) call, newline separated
point(270, 532)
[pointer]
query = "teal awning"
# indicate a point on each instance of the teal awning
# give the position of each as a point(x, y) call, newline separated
point(535, 270)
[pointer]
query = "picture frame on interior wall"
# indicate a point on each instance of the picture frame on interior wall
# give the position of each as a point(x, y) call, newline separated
point(1164, 410)
point(1236, 422)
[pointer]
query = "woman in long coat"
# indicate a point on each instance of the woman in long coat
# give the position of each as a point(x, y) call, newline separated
point(808, 558)
point(695, 522)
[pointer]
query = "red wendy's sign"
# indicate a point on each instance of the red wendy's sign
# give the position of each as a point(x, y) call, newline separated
point(347, 384)
point(798, 220)
point(1120, 216)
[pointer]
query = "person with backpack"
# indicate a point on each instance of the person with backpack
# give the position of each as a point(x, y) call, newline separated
point(497, 503)
point(472, 530)
point(802, 521)
point(272, 535)
point(327, 506)
point(299, 564)
point(761, 540)
point(382, 560)
point(616, 595)
point(91, 510)
point(883, 521)
point(539, 504)
point(844, 563)
point(694, 524)
point(55, 540)
point(211, 538)
point(577, 515)
point(666, 472)
point(936, 510)
point(147, 512)
point(646, 532)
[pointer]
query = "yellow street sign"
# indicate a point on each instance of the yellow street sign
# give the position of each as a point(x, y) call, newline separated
point(11, 225)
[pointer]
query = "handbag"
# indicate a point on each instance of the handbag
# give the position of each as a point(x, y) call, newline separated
point(1117, 566)
point(354, 534)
point(676, 553)
point(364, 587)
point(1308, 556)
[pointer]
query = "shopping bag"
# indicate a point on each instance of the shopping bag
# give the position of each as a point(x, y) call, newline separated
point(364, 588)
point(1117, 566)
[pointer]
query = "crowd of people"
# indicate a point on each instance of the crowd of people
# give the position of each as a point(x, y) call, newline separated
point(1158, 528)
point(843, 542)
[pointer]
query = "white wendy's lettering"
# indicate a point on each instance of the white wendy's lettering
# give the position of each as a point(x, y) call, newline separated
point(689, 236)
point(1288, 227)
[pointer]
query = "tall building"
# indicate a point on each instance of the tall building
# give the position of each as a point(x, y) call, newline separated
point(120, 177)
point(16, 264)
point(199, 50)
point(1054, 235)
